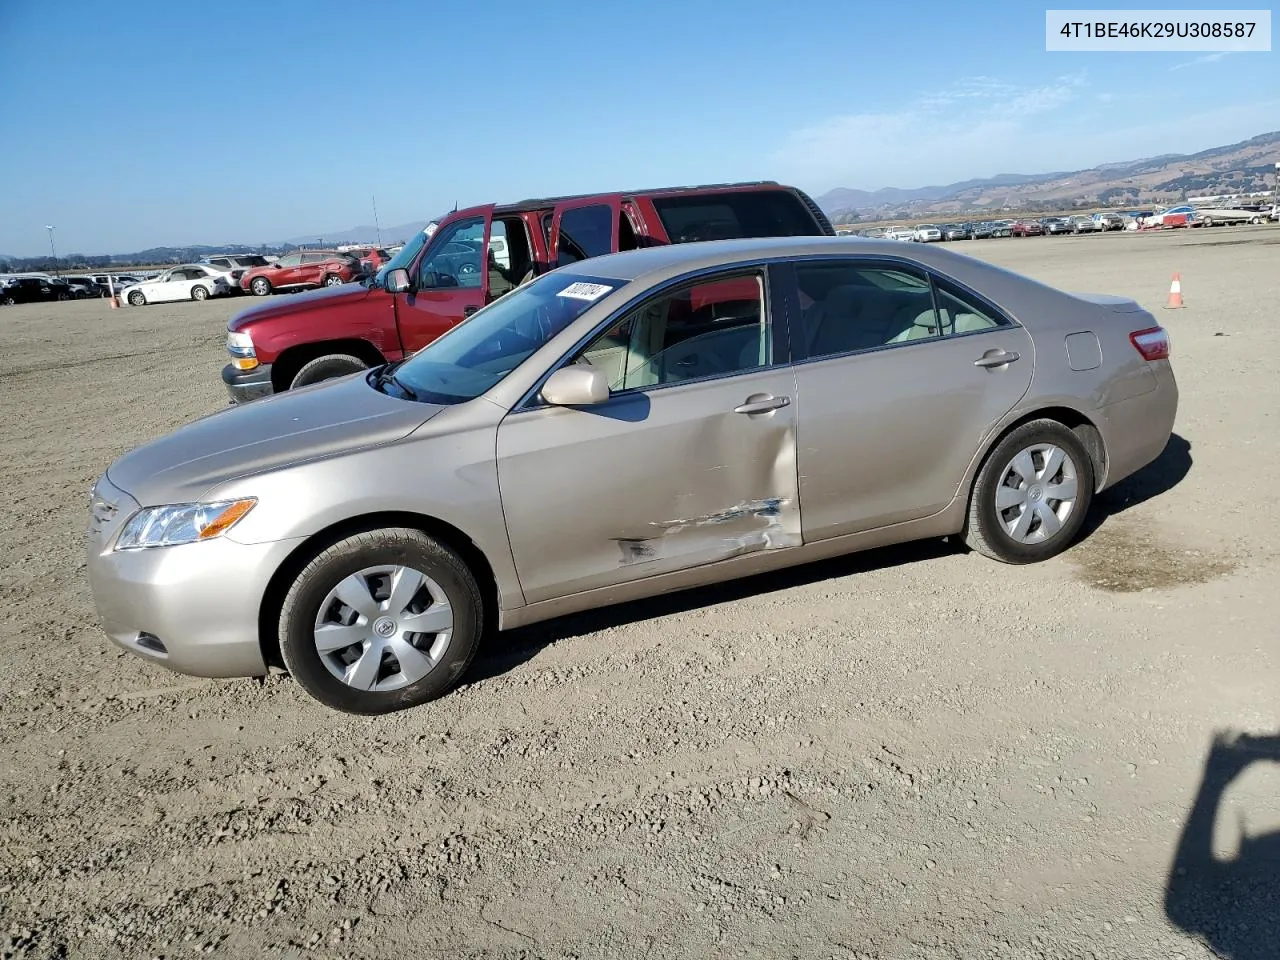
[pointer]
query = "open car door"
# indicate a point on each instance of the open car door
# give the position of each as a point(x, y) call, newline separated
point(584, 228)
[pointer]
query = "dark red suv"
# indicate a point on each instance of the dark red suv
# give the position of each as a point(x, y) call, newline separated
point(302, 270)
point(470, 258)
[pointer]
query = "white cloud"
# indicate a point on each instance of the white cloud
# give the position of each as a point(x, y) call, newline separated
point(1207, 58)
point(979, 127)
point(962, 128)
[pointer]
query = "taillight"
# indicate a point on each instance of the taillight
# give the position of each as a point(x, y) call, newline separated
point(1152, 343)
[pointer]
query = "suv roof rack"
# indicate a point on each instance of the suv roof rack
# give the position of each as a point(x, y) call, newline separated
point(535, 202)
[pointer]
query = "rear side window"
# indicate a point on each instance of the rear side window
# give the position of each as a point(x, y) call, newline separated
point(585, 232)
point(728, 216)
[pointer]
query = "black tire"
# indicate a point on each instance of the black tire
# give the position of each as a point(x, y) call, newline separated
point(327, 368)
point(8, 301)
point(137, 298)
point(63, 297)
point(391, 546)
point(260, 286)
point(199, 292)
point(984, 532)
point(333, 280)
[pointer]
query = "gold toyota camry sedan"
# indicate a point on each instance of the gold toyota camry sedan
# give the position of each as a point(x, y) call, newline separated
point(621, 427)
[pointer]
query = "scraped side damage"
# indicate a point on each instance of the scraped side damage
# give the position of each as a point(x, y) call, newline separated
point(751, 525)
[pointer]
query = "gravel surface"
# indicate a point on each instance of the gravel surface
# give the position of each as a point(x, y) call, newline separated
point(909, 753)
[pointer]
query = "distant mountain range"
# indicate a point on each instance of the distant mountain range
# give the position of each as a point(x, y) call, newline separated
point(1244, 167)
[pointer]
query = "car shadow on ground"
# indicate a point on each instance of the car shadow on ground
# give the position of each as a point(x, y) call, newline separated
point(1158, 477)
point(1231, 905)
point(506, 652)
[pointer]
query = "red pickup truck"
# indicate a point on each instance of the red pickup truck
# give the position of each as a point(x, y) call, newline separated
point(473, 256)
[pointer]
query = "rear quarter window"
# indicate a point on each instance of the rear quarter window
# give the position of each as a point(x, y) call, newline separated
point(729, 216)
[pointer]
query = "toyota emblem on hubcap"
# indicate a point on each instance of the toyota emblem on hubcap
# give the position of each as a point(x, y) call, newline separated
point(384, 626)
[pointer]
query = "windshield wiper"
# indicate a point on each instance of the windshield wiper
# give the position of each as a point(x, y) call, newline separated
point(388, 376)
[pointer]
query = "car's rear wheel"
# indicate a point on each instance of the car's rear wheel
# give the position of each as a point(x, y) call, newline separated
point(137, 298)
point(8, 301)
point(1031, 495)
point(381, 621)
point(327, 368)
point(333, 280)
point(199, 292)
point(260, 286)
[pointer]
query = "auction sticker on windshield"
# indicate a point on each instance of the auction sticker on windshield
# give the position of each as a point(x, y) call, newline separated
point(585, 291)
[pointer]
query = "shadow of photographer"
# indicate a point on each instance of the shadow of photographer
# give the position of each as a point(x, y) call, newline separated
point(1232, 905)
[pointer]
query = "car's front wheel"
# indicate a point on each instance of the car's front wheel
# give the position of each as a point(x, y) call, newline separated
point(333, 280)
point(260, 286)
point(1031, 495)
point(381, 621)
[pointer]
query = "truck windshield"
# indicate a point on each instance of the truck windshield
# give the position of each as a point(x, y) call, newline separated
point(479, 352)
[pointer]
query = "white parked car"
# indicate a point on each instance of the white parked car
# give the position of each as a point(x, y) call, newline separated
point(899, 233)
point(926, 233)
point(189, 281)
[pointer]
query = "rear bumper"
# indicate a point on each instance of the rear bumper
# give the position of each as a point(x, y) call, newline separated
point(1136, 430)
point(246, 385)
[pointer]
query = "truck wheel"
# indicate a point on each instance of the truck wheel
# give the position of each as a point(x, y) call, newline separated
point(326, 368)
point(381, 621)
point(260, 286)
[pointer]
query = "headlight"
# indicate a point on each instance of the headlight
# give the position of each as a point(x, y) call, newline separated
point(180, 523)
point(240, 346)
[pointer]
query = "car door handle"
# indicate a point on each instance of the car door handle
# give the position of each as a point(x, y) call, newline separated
point(997, 359)
point(761, 403)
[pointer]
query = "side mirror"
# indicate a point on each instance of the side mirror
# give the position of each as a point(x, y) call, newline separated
point(579, 385)
point(398, 281)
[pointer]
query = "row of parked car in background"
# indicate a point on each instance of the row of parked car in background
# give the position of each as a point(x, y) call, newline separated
point(217, 276)
point(1184, 215)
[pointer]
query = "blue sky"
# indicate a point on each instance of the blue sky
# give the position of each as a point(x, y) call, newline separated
point(145, 122)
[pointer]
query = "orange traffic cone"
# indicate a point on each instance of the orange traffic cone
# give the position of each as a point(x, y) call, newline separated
point(1175, 293)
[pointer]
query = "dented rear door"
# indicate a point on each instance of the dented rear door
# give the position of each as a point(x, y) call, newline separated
point(652, 481)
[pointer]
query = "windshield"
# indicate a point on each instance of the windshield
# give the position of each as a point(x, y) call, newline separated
point(404, 257)
point(478, 353)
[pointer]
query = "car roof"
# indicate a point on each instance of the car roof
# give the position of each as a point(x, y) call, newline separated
point(537, 203)
point(673, 259)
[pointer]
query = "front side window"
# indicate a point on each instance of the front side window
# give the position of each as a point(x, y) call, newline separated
point(848, 306)
point(453, 258)
point(712, 328)
point(585, 232)
point(475, 356)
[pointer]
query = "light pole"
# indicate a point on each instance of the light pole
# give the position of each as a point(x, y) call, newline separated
point(54, 251)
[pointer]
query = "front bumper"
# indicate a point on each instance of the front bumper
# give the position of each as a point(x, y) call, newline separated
point(192, 608)
point(246, 385)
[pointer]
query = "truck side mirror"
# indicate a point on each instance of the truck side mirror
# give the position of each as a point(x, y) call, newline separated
point(398, 281)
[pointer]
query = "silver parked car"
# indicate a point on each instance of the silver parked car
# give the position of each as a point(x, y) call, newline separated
point(622, 427)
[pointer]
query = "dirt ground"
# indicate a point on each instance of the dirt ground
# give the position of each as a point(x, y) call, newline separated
point(911, 753)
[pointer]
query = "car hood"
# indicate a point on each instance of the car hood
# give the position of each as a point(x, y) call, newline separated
point(280, 306)
point(327, 418)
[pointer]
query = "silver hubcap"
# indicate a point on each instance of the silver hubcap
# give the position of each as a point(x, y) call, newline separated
point(1037, 493)
point(335, 281)
point(259, 286)
point(383, 628)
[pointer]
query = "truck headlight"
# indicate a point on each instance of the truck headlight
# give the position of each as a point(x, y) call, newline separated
point(240, 346)
point(179, 523)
